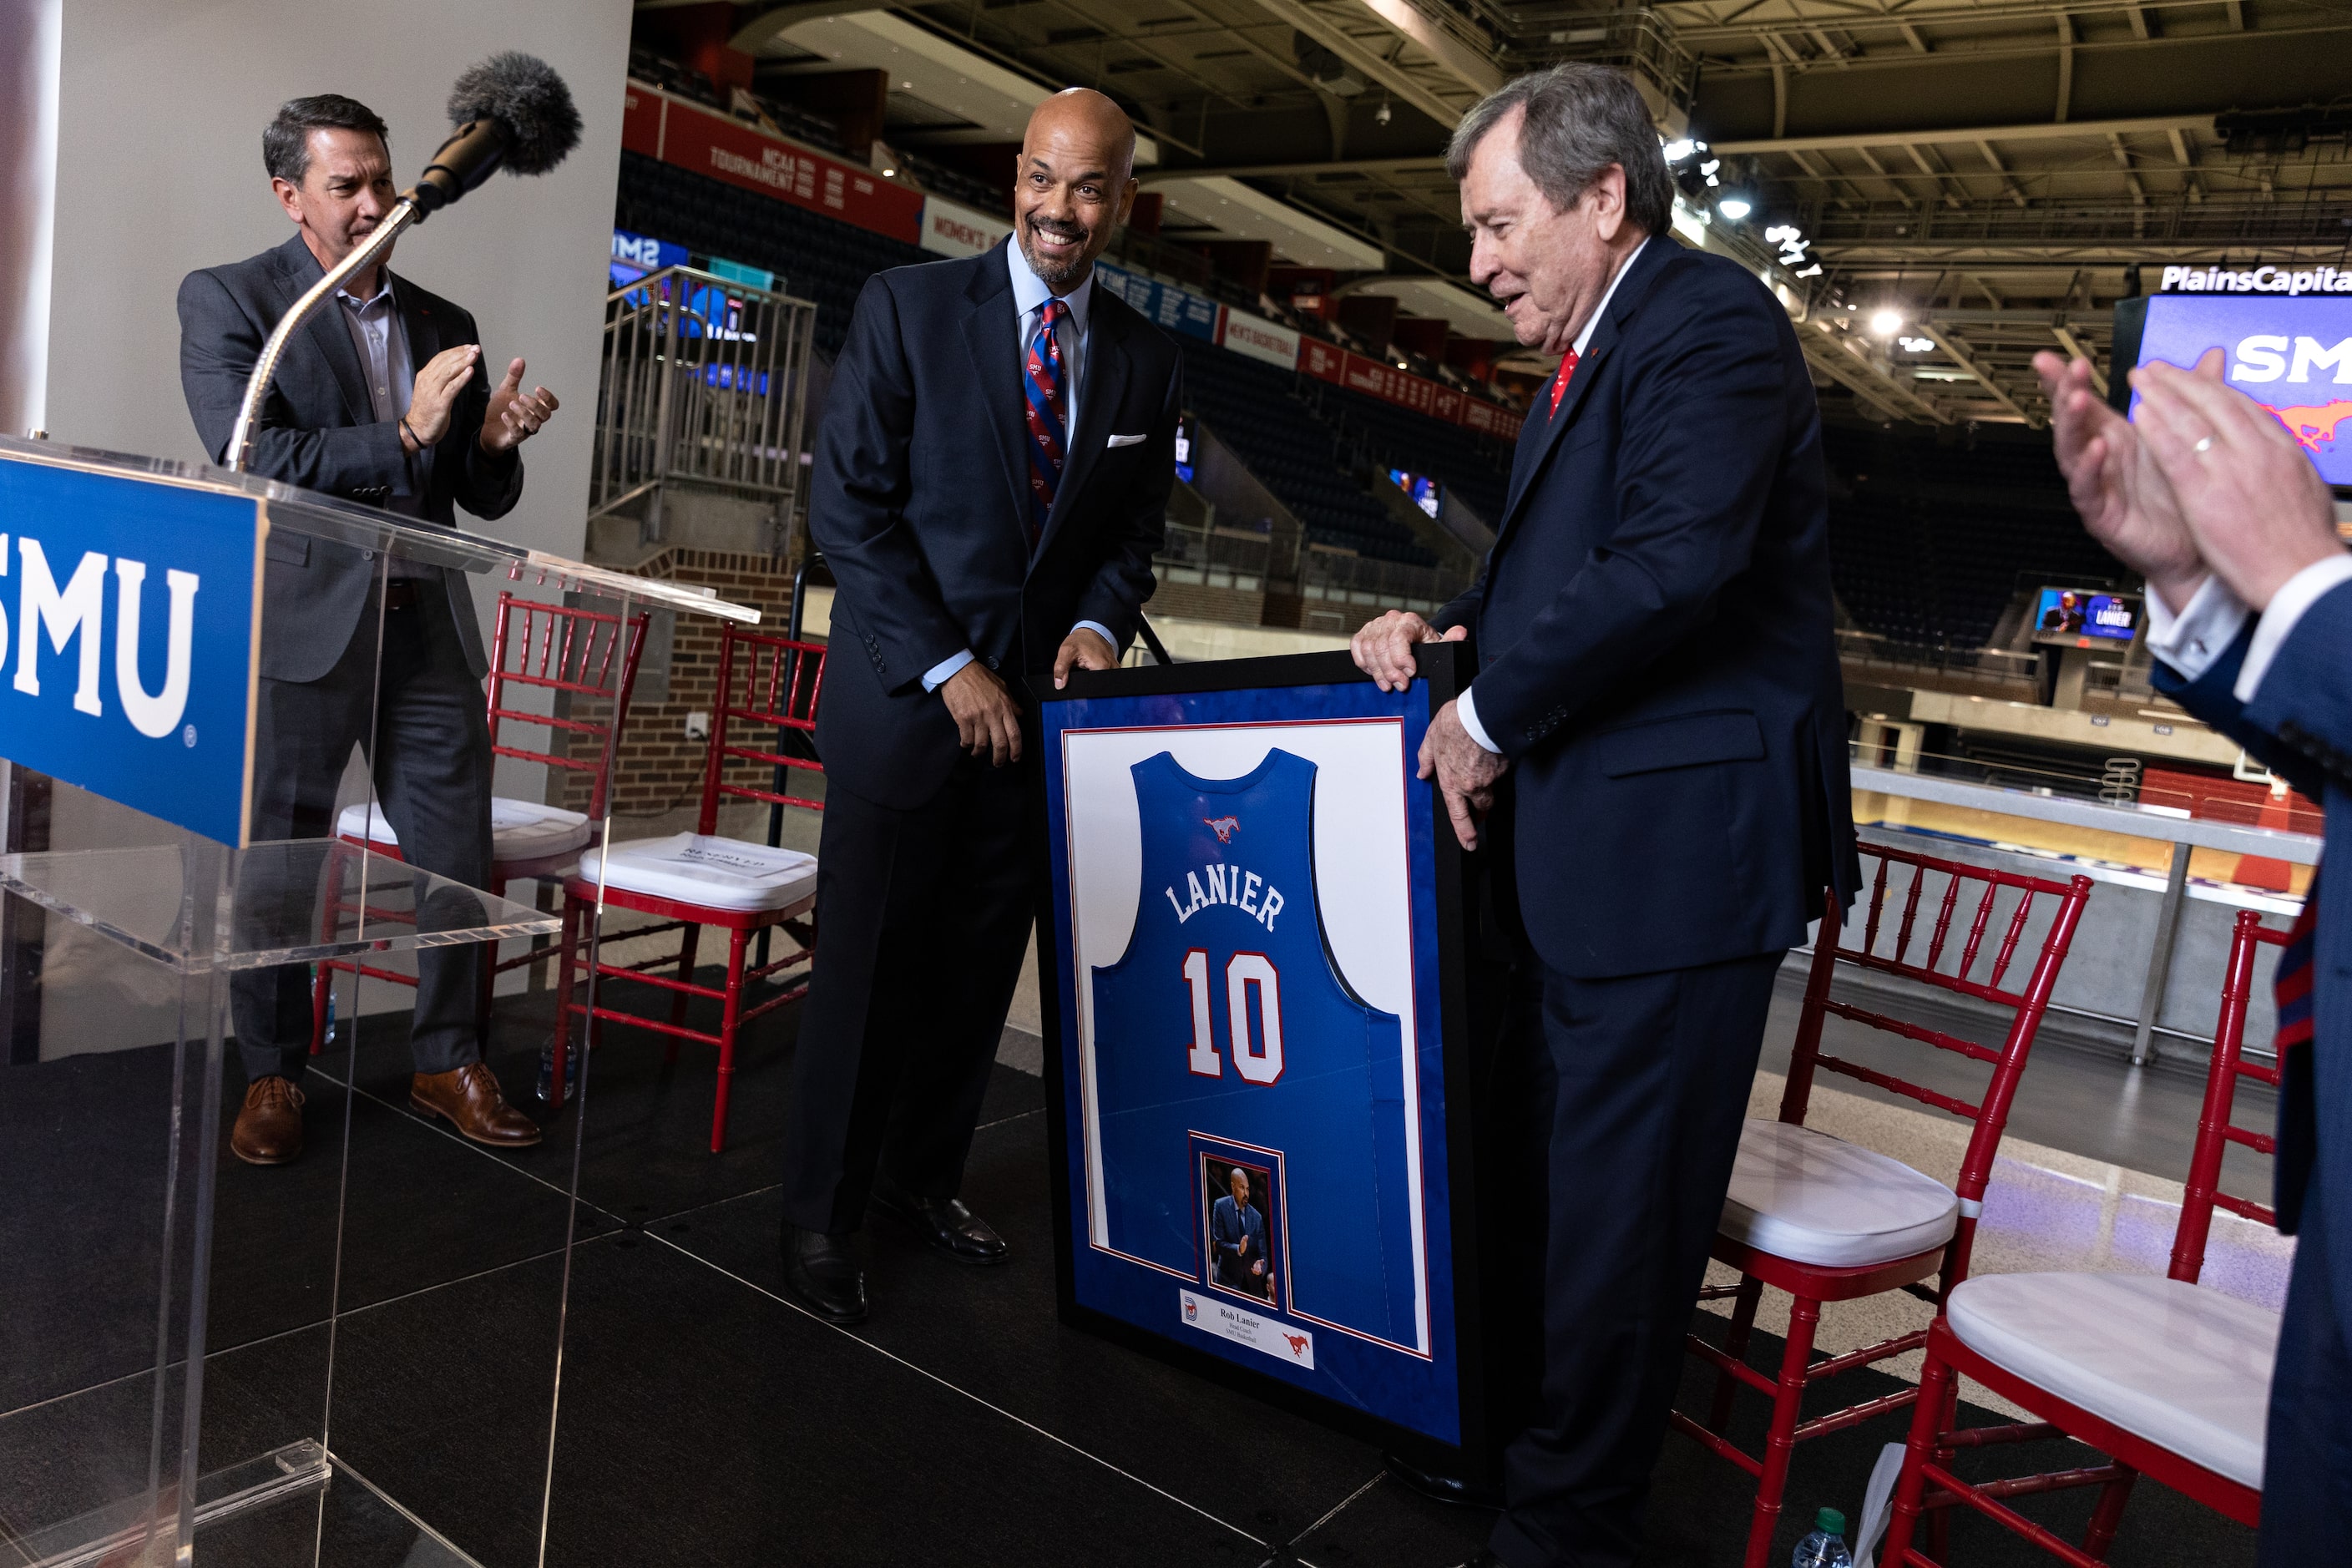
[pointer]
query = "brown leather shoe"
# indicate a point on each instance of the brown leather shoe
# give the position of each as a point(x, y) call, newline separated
point(268, 1130)
point(468, 1096)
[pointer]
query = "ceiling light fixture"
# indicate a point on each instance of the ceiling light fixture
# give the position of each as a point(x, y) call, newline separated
point(1885, 322)
point(1734, 206)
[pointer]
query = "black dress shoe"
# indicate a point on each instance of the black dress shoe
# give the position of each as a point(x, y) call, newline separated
point(945, 1222)
point(823, 1272)
point(1464, 1491)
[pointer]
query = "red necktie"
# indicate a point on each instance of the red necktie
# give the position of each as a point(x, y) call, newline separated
point(1560, 381)
point(2291, 984)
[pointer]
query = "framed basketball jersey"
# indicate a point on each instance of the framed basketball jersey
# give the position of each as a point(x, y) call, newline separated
point(1255, 1039)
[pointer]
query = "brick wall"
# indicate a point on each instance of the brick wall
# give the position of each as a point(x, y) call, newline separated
point(660, 771)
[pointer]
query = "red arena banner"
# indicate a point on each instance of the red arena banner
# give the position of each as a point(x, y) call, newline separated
point(690, 136)
point(1323, 362)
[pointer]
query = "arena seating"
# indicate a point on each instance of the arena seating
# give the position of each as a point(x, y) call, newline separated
point(1928, 543)
point(1250, 407)
point(1479, 473)
point(818, 258)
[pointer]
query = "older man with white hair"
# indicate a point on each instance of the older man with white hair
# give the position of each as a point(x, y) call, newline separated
point(1654, 749)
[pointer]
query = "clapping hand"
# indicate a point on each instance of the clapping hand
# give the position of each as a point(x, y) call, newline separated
point(515, 415)
point(2115, 486)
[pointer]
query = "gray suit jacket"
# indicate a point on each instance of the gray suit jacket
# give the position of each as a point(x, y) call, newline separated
point(320, 431)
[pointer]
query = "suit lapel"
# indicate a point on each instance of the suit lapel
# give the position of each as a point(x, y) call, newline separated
point(1102, 387)
point(991, 337)
point(1547, 430)
point(424, 332)
point(326, 331)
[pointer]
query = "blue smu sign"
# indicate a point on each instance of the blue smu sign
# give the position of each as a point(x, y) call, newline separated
point(128, 625)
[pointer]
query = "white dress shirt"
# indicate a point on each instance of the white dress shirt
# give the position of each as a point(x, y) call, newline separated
point(1029, 295)
point(2206, 627)
point(1465, 709)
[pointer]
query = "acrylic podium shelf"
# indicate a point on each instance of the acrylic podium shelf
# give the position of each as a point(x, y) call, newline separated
point(202, 1360)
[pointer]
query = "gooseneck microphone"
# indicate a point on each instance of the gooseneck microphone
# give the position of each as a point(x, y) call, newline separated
point(512, 112)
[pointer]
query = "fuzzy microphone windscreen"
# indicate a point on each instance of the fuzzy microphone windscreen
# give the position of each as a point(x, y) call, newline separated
point(529, 104)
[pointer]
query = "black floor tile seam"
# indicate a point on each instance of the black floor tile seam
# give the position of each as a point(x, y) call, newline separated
point(1007, 1120)
point(989, 1405)
point(179, 1363)
point(1288, 1553)
point(440, 1126)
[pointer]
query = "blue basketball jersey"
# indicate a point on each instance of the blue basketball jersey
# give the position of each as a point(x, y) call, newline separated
point(1226, 1016)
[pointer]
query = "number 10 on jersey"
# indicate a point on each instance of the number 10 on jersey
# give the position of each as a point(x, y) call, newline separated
point(1256, 1057)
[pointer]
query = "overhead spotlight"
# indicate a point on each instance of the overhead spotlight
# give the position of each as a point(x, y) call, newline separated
point(1734, 206)
point(1710, 166)
point(1917, 346)
point(1886, 323)
point(1675, 152)
point(1384, 114)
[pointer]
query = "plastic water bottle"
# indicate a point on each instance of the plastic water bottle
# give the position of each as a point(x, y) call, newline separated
point(1825, 1547)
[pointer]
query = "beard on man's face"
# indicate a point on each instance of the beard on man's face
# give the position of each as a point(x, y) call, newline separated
point(1054, 271)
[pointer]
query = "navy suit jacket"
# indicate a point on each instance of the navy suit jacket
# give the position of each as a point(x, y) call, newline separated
point(2299, 725)
point(318, 430)
point(1226, 1229)
point(920, 502)
point(1654, 638)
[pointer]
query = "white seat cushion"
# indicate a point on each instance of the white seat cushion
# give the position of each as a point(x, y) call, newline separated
point(1807, 1196)
point(2180, 1365)
point(696, 869)
point(520, 829)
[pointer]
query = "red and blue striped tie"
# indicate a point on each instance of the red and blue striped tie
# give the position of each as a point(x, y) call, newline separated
point(2291, 984)
point(1041, 385)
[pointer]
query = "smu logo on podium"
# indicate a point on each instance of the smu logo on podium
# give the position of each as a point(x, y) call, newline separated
point(127, 632)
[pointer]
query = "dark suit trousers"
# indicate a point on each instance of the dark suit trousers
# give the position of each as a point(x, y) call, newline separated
point(2307, 1455)
point(923, 918)
point(430, 755)
point(1632, 1091)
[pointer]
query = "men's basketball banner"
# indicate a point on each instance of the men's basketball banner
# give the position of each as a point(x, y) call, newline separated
point(1252, 1014)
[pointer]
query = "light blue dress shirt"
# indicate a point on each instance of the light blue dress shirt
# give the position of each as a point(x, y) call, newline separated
point(381, 340)
point(1029, 295)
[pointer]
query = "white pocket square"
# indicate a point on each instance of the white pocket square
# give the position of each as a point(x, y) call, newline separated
point(1125, 440)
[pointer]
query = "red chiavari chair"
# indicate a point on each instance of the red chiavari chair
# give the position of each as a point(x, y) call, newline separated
point(767, 684)
point(2167, 1377)
point(1827, 1221)
point(570, 653)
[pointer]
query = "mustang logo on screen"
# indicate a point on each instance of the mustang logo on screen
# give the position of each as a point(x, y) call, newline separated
point(2314, 424)
point(1298, 1344)
point(1224, 827)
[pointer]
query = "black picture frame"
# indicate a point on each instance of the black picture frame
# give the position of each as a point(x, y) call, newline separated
point(1446, 668)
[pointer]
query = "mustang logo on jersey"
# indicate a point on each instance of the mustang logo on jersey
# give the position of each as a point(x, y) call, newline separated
point(1224, 827)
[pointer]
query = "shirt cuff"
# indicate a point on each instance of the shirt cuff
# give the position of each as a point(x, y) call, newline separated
point(2203, 631)
point(940, 673)
point(2297, 594)
point(1099, 630)
point(1467, 710)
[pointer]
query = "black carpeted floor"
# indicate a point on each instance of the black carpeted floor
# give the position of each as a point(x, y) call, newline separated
point(699, 1419)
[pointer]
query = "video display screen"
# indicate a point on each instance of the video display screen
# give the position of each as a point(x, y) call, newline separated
point(2067, 615)
point(2291, 354)
point(1419, 487)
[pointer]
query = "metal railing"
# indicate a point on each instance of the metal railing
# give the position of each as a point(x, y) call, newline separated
point(1367, 583)
point(704, 381)
point(1214, 557)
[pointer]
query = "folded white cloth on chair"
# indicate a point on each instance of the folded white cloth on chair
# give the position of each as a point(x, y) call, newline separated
point(520, 829)
point(702, 868)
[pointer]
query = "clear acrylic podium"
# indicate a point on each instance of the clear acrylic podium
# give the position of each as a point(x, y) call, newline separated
point(202, 1359)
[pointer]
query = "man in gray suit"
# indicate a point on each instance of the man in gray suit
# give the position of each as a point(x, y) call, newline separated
point(381, 398)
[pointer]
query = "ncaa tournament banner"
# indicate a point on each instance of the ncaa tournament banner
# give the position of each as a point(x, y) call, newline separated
point(1257, 1087)
point(2292, 355)
point(129, 615)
